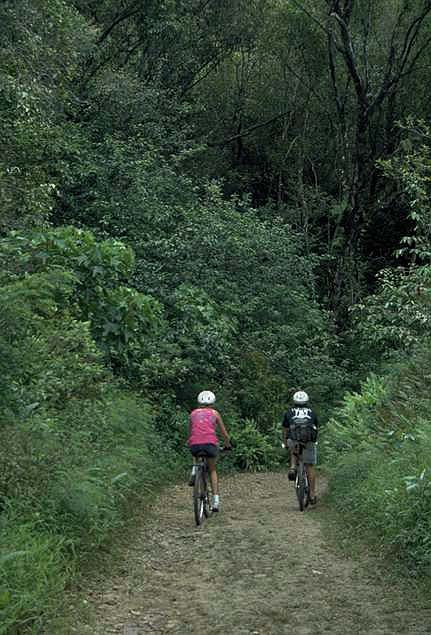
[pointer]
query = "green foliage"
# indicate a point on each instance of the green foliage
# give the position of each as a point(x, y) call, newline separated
point(42, 344)
point(251, 275)
point(230, 282)
point(390, 498)
point(410, 167)
point(378, 447)
point(32, 574)
point(398, 315)
point(114, 126)
point(43, 45)
point(203, 331)
point(114, 453)
point(253, 450)
point(121, 319)
point(357, 424)
point(261, 394)
point(79, 496)
point(74, 449)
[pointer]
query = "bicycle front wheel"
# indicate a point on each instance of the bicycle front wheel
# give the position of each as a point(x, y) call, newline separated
point(199, 494)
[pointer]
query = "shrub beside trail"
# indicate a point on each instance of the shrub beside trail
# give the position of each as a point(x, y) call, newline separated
point(378, 449)
point(75, 447)
point(68, 488)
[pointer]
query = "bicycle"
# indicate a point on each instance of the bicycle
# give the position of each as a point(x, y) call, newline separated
point(302, 486)
point(201, 496)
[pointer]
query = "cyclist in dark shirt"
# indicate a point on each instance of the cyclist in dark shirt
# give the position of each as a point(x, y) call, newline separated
point(301, 411)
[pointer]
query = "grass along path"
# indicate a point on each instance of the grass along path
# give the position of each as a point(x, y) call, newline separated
point(258, 567)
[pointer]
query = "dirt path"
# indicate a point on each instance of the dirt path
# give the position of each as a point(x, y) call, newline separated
point(259, 567)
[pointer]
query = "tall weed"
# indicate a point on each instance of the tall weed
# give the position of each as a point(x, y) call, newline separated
point(33, 574)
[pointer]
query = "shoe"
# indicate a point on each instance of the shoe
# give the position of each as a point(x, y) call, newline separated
point(215, 504)
point(313, 500)
point(192, 480)
point(291, 475)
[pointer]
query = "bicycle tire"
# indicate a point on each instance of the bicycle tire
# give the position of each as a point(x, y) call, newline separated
point(301, 487)
point(198, 497)
point(206, 498)
point(307, 489)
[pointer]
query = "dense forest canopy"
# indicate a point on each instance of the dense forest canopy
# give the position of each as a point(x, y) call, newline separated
point(200, 192)
point(291, 103)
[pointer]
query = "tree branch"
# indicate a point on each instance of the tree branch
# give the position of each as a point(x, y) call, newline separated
point(310, 87)
point(333, 74)
point(249, 130)
point(299, 6)
point(366, 24)
point(392, 78)
point(134, 9)
point(416, 57)
point(411, 36)
point(209, 65)
point(349, 56)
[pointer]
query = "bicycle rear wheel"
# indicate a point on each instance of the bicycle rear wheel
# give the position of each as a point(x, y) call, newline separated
point(307, 489)
point(199, 496)
point(206, 496)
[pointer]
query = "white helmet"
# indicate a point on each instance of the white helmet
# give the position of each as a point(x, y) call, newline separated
point(206, 398)
point(300, 398)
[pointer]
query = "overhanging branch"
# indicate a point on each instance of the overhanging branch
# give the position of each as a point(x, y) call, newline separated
point(249, 130)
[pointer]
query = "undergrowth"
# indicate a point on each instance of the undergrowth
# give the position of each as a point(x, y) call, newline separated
point(81, 497)
point(378, 449)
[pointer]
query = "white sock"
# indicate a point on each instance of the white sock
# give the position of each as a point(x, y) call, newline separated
point(194, 467)
point(216, 499)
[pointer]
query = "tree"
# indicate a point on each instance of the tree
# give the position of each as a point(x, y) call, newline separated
point(373, 87)
point(42, 46)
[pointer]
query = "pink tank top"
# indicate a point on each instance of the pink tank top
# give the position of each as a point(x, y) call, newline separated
point(203, 424)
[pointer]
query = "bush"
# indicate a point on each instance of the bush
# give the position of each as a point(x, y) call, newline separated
point(122, 321)
point(379, 448)
point(253, 450)
point(74, 445)
point(68, 503)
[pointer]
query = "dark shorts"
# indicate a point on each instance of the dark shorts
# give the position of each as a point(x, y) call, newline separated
point(309, 454)
point(209, 449)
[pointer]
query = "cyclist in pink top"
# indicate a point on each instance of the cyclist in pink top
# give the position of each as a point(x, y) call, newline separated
point(203, 424)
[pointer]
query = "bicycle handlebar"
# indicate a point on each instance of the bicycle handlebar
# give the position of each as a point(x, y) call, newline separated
point(223, 449)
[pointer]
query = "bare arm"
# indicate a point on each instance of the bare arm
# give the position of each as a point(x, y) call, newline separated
point(223, 431)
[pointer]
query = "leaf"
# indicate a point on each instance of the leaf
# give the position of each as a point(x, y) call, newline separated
point(12, 555)
point(5, 598)
point(119, 477)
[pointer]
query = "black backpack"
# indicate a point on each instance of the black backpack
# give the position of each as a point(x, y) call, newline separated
point(302, 427)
